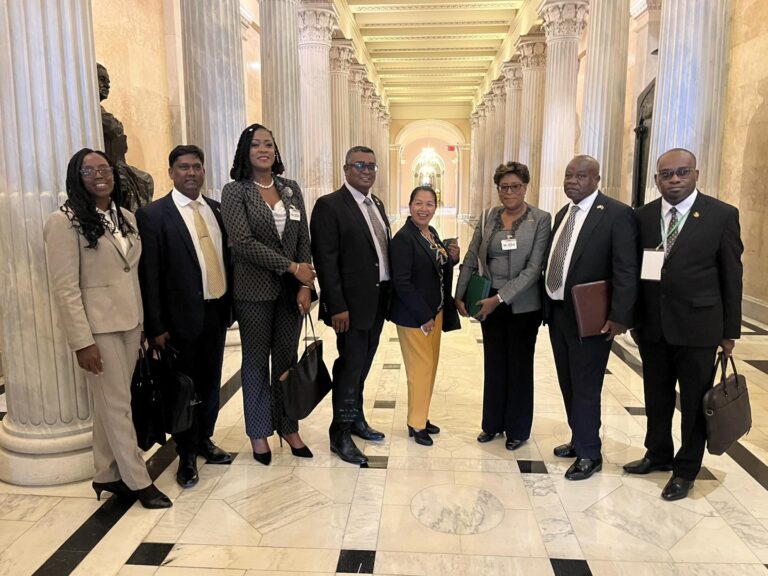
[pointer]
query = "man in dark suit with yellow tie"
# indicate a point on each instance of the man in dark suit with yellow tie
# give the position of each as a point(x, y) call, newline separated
point(690, 304)
point(185, 285)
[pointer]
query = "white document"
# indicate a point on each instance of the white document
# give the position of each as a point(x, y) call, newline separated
point(653, 262)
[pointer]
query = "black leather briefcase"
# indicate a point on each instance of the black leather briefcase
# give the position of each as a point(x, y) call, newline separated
point(726, 408)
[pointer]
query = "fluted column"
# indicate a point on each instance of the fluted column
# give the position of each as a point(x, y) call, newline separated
point(386, 189)
point(690, 87)
point(341, 58)
point(49, 109)
point(316, 22)
point(500, 98)
point(513, 80)
point(280, 81)
point(366, 124)
point(376, 140)
point(356, 75)
point(214, 84)
point(563, 23)
point(489, 149)
point(473, 135)
point(533, 60)
point(602, 126)
point(477, 193)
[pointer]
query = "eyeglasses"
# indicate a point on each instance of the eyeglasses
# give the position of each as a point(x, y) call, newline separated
point(92, 172)
point(511, 188)
point(363, 166)
point(680, 173)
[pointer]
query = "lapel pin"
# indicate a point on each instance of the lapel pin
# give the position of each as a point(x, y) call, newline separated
point(600, 207)
point(695, 214)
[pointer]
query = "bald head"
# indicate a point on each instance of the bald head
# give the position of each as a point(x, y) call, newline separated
point(677, 151)
point(582, 176)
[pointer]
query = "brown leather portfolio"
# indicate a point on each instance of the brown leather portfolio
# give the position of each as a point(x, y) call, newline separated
point(591, 303)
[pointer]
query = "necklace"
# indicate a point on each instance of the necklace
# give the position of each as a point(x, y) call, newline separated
point(265, 186)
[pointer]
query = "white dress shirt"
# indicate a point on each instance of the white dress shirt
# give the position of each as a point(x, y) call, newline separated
point(123, 241)
point(581, 215)
point(682, 215)
point(360, 198)
point(184, 208)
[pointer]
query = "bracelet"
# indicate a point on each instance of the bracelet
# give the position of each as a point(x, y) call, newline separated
point(296, 271)
point(501, 300)
point(305, 286)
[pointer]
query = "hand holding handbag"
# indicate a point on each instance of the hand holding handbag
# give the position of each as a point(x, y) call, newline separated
point(308, 380)
point(726, 408)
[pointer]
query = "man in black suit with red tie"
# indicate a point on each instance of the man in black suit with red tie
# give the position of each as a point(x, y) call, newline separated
point(594, 238)
point(690, 304)
point(350, 249)
point(186, 288)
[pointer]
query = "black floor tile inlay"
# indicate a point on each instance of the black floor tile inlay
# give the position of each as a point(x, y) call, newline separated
point(532, 467)
point(479, 340)
point(608, 372)
point(761, 365)
point(635, 410)
point(2, 415)
point(756, 330)
point(384, 404)
point(150, 554)
point(394, 339)
point(376, 462)
point(356, 561)
point(564, 567)
point(391, 366)
point(2, 389)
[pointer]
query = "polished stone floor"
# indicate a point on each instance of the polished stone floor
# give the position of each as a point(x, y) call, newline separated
point(456, 508)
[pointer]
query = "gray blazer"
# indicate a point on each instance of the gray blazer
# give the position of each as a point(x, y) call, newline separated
point(521, 291)
point(260, 256)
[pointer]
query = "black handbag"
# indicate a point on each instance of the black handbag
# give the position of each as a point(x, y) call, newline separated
point(308, 380)
point(146, 404)
point(178, 390)
point(726, 408)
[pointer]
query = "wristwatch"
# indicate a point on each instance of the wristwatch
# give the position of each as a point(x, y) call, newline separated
point(501, 300)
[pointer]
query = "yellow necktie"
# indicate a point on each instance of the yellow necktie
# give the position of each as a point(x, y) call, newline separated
point(213, 272)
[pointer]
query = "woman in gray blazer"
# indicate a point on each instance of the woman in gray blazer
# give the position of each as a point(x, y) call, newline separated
point(266, 224)
point(508, 247)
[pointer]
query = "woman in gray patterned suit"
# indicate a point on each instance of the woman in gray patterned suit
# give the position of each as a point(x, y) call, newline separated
point(267, 227)
point(508, 248)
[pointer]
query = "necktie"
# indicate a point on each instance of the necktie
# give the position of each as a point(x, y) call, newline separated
point(556, 269)
point(379, 232)
point(672, 230)
point(213, 272)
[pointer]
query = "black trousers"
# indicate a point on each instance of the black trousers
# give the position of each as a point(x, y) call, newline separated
point(664, 365)
point(580, 364)
point(509, 343)
point(357, 349)
point(201, 359)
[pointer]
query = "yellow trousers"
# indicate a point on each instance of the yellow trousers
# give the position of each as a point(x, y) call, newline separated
point(420, 355)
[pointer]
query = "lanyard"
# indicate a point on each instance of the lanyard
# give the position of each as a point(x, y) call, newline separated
point(668, 233)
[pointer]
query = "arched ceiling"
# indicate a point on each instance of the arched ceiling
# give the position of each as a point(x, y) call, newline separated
point(431, 56)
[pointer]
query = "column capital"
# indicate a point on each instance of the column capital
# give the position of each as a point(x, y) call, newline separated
point(367, 88)
point(375, 101)
point(564, 19)
point(480, 110)
point(640, 7)
point(533, 51)
point(473, 120)
point(490, 103)
point(341, 55)
point(356, 73)
point(316, 22)
point(498, 88)
point(513, 75)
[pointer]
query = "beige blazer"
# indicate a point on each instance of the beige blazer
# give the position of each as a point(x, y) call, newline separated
point(97, 289)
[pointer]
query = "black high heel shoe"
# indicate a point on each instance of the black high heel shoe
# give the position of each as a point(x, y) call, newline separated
point(151, 497)
point(303, 452)
point(118, 488)
point(431, 428)
point(420, 436)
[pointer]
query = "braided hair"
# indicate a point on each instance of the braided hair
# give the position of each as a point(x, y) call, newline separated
point(241, 165)
point(80, 207)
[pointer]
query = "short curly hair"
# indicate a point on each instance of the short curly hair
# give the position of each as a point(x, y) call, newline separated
point(517, 168)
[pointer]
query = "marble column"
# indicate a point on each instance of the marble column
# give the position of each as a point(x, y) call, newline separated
point(214, 84)
point(602, 126)
point(489, 150)
point(356, 76)
point(500, 98)
point(533, 60)
point(473, 143)
point(477, 193)
point(513, 80)
point(341, 58)
point(366, 126)
point(690, 87)
point(563, 24)
point(316, 21)
point(646, 15)
point(50, 109)
point(280, 80)
point(387, 189)
point(376, 142)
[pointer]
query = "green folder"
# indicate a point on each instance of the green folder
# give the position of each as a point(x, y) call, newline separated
point(478, 289)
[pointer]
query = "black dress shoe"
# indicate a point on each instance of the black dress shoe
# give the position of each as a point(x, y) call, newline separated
point(646, 465)
point(186, 475)
point(484, 437)
point(676, 489)
point(213, 454)
point(151, 497)
point(565, 450)
point(365, 432)
point(583, 468)
point(431, 428)
point(346, 449)
point(512, 444)
point(420, 436)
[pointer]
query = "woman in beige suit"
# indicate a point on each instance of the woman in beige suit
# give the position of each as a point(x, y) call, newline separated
point(93, 250)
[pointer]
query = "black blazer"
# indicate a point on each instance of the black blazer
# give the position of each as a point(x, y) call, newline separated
point(169, 272)
point(606, 249)
point(345, 258)
point(416, 281)
point(698, 300)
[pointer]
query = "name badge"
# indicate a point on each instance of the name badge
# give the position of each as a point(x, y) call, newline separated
point(653, 262)
point(509, 244)
point(294, 214)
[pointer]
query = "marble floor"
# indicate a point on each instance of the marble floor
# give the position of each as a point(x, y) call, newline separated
point(456, 508)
